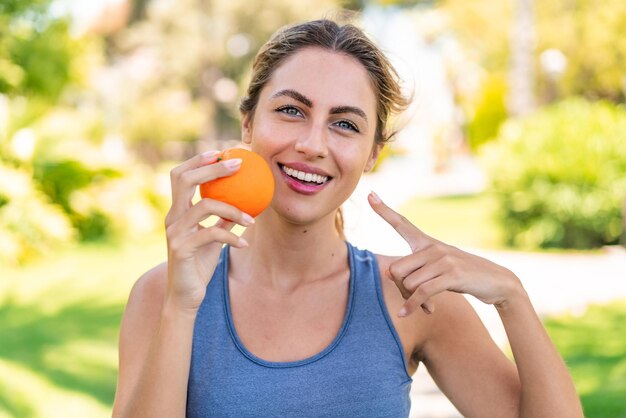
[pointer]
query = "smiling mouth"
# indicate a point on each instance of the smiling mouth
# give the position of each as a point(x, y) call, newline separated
point(304, 177)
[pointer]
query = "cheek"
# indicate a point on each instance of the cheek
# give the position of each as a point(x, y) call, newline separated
point(354, 157)
point(274, 131)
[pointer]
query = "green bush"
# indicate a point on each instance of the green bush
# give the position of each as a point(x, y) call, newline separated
point(560, 176)
point(62, 179)
point(29, 223)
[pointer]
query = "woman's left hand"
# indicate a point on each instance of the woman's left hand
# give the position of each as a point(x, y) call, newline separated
point(434, 267)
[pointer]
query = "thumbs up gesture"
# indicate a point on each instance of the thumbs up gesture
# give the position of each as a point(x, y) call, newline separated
point(434, 267)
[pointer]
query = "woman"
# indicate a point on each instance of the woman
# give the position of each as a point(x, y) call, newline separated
point(290, 319)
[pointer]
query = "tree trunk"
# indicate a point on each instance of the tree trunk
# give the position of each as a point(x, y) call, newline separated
point(521, 98)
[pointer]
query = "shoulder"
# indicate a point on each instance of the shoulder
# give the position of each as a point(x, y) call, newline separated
point(452, 314)
point(143, 309)
point(150, 288)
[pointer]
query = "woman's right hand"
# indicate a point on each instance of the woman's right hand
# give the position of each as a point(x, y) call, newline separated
point(193, 250)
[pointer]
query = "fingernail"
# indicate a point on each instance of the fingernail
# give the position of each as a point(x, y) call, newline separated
point(402, 312)
point(425, 309)
point(242, 242)
point(375, 197)
point(248, 220)
point(233, 163)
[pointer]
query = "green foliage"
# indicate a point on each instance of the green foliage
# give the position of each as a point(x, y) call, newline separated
point(61, 180)
point(560, 176)
point(67, 180)
point(36, 51)
point(589, 33)
point(594, 349)
point(29, 223)
point(489, 112)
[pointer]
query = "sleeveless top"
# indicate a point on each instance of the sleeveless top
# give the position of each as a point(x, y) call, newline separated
point(362, 373)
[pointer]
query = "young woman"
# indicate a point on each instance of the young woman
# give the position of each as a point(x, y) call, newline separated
point(290, 319)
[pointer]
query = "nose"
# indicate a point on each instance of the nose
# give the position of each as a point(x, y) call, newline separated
point(314, 142)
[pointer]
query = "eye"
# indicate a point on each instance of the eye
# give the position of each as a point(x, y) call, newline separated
point(344, 124)
point(289, 110)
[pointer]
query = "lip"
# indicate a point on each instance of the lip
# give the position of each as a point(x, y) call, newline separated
point(295, 185)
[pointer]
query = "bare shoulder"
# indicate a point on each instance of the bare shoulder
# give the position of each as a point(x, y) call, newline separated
point(421, 331)
point(148, 292)
point(143, 309)
point(139, 324)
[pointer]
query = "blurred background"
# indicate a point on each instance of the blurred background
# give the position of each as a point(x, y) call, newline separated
point(514, 148)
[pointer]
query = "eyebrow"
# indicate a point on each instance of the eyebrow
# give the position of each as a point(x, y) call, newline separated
point(348, 109)
point(294, 95)
point(306, 101)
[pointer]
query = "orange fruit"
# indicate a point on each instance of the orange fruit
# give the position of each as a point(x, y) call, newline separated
point(250, 189)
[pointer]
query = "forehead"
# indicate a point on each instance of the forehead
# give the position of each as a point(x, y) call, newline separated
point(328, 78)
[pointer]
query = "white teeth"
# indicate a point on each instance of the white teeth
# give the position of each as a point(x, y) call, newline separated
point(309, 177)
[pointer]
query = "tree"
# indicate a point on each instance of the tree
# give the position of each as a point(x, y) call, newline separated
point(587, 32)
point(36, 50)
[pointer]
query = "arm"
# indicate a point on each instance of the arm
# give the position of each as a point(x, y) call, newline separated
point(547, 388)
point(154, 352)
point(469, 368)
point(157, 328)
point(459, 352)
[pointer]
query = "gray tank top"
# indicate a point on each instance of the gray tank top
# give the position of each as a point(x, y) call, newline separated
point(362, 373)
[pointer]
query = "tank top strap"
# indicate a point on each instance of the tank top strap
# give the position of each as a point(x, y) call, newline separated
point(370, 306)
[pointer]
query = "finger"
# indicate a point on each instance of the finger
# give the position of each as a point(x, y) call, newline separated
point(399, 284)
point(422, 275)
point(213, 234)
point(196, 161)
point(176, 173)
point(422, 294)
point(207, 207)
point(186, 247)
point(412, 235)
point(404, 266)
point(428, 307)
point(225, 224)
point(185, 183)
point(210, 172)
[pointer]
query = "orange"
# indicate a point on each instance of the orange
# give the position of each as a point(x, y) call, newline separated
point(250, 189)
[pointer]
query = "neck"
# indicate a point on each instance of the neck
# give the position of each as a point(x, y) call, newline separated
point(285, 256)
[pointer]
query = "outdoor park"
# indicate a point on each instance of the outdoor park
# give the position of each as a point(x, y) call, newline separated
point(513, 148)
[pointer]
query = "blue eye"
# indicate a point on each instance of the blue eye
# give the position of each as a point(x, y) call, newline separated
point(289, 110)
point(344, 124)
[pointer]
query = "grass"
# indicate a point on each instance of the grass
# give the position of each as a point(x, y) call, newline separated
point(59, 320)
point(594, 349)
point(465, 221)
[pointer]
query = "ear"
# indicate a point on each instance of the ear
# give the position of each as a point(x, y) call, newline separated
point(246, 129)
point(376, 149)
